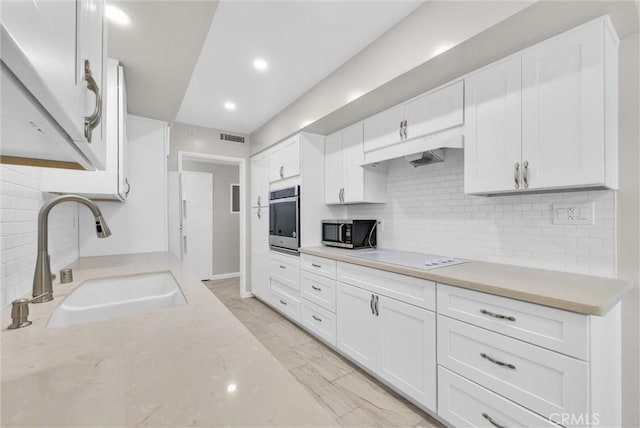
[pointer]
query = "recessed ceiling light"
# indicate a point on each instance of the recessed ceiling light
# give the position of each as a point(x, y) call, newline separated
point(260, 64)
point(117, 15)
point(229, 105)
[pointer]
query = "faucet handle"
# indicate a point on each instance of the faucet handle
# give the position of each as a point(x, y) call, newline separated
point(20, 312)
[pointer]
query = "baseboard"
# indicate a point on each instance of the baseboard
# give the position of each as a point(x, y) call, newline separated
point(246, 294)
point(225, 276)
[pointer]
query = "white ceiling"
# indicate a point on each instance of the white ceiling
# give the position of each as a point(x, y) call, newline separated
point(302, 41)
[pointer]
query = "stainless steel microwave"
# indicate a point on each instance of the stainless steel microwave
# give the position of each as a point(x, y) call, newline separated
point(349, 233)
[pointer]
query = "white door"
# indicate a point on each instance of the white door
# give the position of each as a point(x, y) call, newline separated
point(406, 354)
point(356, 325)
point(353, 173)
point(563, 110)
point(492, 147)
point(333, 169)
point(197, 222)
point(383, 129)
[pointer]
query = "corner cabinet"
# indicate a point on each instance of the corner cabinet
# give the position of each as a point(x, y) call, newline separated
point(546, 118)
point(345, 180)
point(54, 53)
point(113, 182)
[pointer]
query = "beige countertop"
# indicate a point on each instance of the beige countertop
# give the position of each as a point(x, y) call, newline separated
point(584, 294)
point(169, 367)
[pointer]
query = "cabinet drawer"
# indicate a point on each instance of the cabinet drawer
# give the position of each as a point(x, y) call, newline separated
point(285, 270)
point(465, 404)
point(318, 289)
point(319, 321)
point(551, 328)
point(319, 265)
point(284, 302)
point(541, 380)
point(415, 291)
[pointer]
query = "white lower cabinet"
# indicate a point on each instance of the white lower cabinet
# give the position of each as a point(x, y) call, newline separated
point(319, 321)
point(541, 380)
point(463, 403)
point(283, 300)
point(393, 339)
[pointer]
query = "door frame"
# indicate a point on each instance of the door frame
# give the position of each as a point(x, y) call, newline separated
point(241, 163)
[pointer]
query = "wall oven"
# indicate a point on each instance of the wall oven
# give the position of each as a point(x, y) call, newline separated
point(284, 219)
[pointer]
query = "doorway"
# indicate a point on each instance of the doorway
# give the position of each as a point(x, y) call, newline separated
point(228, 236)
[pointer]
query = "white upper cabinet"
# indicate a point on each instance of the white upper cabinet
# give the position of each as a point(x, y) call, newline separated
point(112, 182)
point(492, 128)
point(346, 182)
point(284, 161)
point(56, 52)
point(546, 118)
point(260, 180)
point(432, 112)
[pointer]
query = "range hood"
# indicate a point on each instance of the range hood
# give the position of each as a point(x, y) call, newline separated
point(420, 151)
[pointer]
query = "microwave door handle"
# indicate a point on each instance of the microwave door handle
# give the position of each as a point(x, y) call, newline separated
point(340, 232)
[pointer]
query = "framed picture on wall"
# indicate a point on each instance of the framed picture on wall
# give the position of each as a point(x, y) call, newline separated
point(235, 198)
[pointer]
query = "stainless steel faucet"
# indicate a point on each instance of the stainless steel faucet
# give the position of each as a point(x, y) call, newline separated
point(42, 287)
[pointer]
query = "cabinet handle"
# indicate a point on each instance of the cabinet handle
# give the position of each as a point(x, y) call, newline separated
point(184, 208)
point(316, 288)
point(316, 318)
point(259, 215)
point(516, 175)
point(184, 240)
point(500, 363)
point(373, 312)
point(90, 122)
point(499, 316)
point(126, 194)
point(259, 201)
point(404, 129)
point(400, 130)
point(282, 172)
point(282, 267)
point(525, 174)
point(492, 422)
point(375, 305)
point(283, 302)
point(316, 265)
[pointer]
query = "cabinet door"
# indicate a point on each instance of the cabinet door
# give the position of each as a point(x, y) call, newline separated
point(333, 169)
point(260, 230)
point(406, 356)
point(492, 128)
point(259, 181)
point(353, 173)
point(436, 111)
point(259, 275)
point(563, 110)
point(356, 325)
point(291, 157)
point(383, 129)
point(276, 164)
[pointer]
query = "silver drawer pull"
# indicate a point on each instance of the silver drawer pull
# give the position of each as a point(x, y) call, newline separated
point(316, 288)
point(283, 302)
point(282, 267)
point(316, 318)
point(500, 363)
point(492, 422)
point(316, 266)
point(494, 315)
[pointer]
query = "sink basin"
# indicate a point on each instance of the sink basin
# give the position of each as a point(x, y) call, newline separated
point(109, 298)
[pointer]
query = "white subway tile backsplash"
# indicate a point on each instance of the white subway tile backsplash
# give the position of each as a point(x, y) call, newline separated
point(20, 201)
point(427, 211)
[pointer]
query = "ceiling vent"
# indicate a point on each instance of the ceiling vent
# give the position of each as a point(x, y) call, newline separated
point(231, 137)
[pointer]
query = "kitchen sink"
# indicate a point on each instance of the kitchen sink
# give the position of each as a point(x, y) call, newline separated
point(109, 298)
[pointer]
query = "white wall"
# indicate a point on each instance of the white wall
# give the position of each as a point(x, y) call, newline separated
point(226, 225)
point(140, 224)
point(20, 201)
point(427, 211)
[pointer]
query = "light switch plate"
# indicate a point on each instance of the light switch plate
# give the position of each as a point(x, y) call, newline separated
point(573, 213)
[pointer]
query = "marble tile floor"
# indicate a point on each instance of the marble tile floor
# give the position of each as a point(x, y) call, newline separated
point(352, 397)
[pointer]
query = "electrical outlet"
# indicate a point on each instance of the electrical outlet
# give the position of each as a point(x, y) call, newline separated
point(573, 213)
